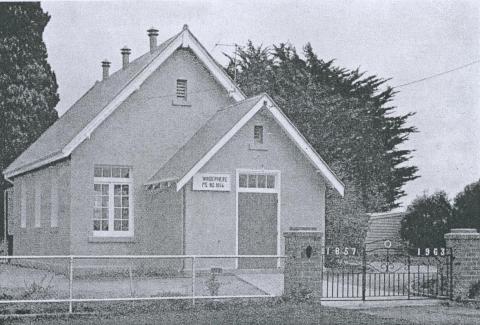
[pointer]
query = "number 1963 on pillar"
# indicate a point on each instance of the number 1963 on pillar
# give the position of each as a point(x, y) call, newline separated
point(441, 251)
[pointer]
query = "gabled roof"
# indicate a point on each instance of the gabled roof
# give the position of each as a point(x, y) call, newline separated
point(211, 137)
point(72, 128)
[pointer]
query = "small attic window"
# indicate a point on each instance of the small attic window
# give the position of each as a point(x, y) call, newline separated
point(182, 89)
point(258, 134)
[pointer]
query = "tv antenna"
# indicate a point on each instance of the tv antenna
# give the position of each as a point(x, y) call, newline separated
point(234, 57)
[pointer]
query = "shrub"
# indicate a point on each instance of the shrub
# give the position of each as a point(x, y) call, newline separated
point(474, 290)
point(38, 290)
point(427, 221)
point(299, 293)
point(466, 207)
point(5, 296)
point(213, 285)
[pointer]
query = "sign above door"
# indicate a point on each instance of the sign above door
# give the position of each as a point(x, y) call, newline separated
point(212, 182)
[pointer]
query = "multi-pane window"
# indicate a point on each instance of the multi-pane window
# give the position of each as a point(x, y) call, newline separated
point(112, 212)
point(256, 180)
point(114, 172)
point(258, 134)
point(182, 89)
point(121, 205)
point(101, 208)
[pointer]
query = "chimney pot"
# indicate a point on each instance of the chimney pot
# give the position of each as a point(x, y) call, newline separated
point(106, 67)
point(152, 34)
point(125, 56)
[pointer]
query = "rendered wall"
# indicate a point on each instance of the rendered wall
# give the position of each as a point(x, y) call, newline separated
point(164, 211)
point(211, 216)
point(143, 133)
point(43, 240)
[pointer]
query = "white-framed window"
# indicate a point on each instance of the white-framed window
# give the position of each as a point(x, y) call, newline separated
point(23, 204)
point(258, 181)
point(113, 201)
point(258, 134)
point(182, 89)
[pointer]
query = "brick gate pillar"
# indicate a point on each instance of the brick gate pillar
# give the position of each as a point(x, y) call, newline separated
point(304, 264)
point(465, 245)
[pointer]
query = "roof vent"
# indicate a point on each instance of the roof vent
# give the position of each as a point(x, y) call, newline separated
point(106, 67)
point(152, 34)
point(185, 27)
point(125, 56)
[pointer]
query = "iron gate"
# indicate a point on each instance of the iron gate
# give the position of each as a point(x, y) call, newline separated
point(387, 273)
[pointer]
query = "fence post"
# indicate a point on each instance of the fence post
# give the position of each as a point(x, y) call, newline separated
point(130, 277)
point(364, 272)
point(70, 302)
point(322, 261)
point(450, 276)
point(464, 246)
point(193, 280)
point(408, 279)
point(303, 267)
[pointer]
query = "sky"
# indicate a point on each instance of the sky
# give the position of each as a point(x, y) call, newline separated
point(402, 40)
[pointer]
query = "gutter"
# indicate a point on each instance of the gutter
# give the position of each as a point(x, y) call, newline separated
point(34, 165)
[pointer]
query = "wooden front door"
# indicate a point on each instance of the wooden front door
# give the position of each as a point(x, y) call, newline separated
point(257, 229)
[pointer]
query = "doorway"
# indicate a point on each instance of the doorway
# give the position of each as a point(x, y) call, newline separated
point(258, 218)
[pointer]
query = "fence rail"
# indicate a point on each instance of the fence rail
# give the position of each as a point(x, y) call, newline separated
point(70, 259)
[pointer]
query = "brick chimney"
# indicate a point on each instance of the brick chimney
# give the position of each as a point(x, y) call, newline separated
point(152, 34)
point(125, 56)
point(106, 67)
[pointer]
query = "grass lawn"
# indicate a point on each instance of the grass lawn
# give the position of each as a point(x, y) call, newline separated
point(258, 312)
point(438, 315)
point(252, 313)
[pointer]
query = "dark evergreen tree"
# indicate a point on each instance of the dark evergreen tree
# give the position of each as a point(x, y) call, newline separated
point(428, 220)
point(466, 207)
point(346, 116)
point(28, 87)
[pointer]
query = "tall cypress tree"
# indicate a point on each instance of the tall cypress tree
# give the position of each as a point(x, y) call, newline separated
point(345, 115)
point(28, 87)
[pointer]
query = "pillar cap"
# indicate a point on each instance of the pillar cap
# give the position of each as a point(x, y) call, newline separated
point(462, 234)
point(303, 233)
point(463, 231)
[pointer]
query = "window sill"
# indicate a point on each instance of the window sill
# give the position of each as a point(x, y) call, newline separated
point(179, 102)
point(107, 239)
point(257, 147)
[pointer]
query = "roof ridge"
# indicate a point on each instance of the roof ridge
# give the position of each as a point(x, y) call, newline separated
point(103, 82)
point(102, 98)
point(153, 55)
point(239, 102)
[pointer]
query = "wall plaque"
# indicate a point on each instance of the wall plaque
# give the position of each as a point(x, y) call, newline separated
point(211, 182)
